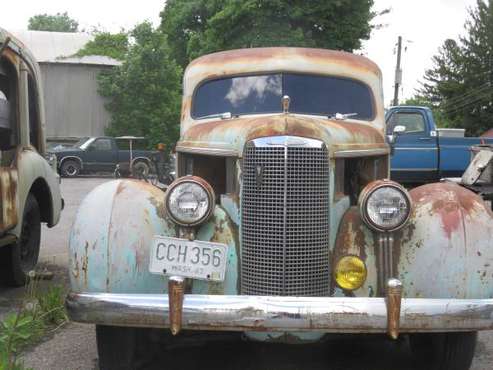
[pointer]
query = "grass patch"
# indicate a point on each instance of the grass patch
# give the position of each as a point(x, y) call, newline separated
point(40, 312)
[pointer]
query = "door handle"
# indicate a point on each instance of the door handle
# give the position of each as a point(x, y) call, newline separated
point(425, 138)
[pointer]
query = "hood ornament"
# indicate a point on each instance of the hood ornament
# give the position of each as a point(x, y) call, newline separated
point(286, 100)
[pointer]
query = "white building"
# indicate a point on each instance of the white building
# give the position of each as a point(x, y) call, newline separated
point(73, 105)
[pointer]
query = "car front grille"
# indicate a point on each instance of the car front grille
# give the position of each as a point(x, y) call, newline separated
point(285, 218)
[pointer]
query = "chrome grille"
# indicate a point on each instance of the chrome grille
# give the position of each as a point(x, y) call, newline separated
point(285, 218)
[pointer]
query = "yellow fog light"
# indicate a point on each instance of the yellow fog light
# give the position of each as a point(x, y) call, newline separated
point(350, 272)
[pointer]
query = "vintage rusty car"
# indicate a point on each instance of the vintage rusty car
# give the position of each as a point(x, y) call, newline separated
point(29, 185)
point(282, 223)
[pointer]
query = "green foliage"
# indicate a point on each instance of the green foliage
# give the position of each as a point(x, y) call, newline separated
point(39, 311)
point(459, 85)
point(111, 45)
point(197, 27)
point(144, 93)
point(60, 22)
point(51, 306)
point(17, 330)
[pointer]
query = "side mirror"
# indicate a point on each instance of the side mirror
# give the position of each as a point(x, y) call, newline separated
point(399, 129)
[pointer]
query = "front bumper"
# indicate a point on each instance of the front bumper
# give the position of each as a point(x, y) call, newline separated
point(261, 313)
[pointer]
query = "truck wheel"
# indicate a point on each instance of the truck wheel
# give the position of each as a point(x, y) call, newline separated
point(122, 348)
point(70, 168)
point(444, 351)
point(20, 258)
point(140, 170)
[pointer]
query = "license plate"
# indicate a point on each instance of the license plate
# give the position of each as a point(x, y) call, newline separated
point(194, 259)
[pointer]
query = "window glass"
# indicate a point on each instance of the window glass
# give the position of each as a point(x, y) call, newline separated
point(322, 95)
point(310, 94)
point(412, 121)
point(102, 144)
point(239, 95)
point(136, 144)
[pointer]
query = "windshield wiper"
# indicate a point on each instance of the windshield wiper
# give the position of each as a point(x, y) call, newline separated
point(225, 115)
point(342, 116)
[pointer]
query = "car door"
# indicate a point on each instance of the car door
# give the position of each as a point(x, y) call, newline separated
point(100, 155)
point(415, 157)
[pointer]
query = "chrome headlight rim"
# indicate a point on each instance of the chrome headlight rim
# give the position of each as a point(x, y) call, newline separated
point(204, 185)
point(370, 190)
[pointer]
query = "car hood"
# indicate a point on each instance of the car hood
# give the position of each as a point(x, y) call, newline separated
point(231, 135)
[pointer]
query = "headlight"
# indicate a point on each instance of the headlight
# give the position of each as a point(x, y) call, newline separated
point(385, 205)
point(189, 201)
point(350, 273)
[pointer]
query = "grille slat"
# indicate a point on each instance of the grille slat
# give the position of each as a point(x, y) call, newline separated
point(285, 221)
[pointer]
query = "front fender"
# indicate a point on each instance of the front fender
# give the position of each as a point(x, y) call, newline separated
point(112, 234)
point(445, 250)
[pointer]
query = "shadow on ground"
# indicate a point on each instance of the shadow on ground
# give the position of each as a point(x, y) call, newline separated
point(350, 352)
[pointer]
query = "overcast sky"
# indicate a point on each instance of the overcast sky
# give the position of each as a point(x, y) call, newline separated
point(423, 24)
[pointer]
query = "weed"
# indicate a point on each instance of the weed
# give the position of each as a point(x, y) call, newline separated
point(39, 310)
point(51, 305)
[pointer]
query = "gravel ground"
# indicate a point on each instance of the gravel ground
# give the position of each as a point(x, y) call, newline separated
point(74, 346)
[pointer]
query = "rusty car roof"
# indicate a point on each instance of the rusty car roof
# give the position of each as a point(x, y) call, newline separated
point(255, 60)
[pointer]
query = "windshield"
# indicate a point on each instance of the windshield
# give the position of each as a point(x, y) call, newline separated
point(84, 143)
point(81, 141)
point(310, 94)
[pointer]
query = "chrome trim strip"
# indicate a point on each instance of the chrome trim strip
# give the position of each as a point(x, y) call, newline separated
point(207, 151)
point(286, 141)
point(360, 152)
point(406, 148)
point(244, 313)
point(285, 219)
point(413, 169)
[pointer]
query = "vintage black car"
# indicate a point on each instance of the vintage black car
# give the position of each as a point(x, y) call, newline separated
point(103, 154)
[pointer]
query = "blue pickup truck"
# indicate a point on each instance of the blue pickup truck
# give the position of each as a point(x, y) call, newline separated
point(422, 153)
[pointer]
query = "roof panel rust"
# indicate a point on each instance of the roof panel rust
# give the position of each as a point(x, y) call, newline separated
point(260, 55)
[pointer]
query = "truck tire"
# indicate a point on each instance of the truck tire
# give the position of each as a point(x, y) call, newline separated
point(123, 348)
point(70, 168)
point(444, 351)
point(18, 259)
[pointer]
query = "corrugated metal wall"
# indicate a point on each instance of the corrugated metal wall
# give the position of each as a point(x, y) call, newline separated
point(73, 105)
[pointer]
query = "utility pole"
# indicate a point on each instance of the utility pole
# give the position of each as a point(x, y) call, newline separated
point(398, 72)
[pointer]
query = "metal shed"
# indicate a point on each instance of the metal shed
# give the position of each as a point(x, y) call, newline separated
point(73, 105)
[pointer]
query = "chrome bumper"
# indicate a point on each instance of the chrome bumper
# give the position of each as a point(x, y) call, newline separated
point(260, 313)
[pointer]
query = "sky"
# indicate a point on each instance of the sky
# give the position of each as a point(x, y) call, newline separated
point(423, 25)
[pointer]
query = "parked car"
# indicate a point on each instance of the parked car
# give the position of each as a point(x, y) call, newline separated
point(29, 186)
point(423, 153)
point(282, 223)
point(103, 154)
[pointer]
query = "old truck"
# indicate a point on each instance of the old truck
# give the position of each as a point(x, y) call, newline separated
point(103, 154)
point(29, 185)
point(282, 223)
point(422, 152)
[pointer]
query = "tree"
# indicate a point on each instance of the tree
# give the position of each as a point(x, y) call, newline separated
point(60, 22)
point(197, 27)
point(108, 44)
point(144, 93)
point(459, 85)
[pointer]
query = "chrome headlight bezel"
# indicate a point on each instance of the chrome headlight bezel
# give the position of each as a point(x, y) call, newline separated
point(369, 191)
point(181, 182)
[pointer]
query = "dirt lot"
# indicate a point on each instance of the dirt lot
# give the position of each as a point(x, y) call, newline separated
point(73, 347)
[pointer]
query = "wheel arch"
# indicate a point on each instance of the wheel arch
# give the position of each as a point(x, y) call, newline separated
point(41, 191)
point(71, 157)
